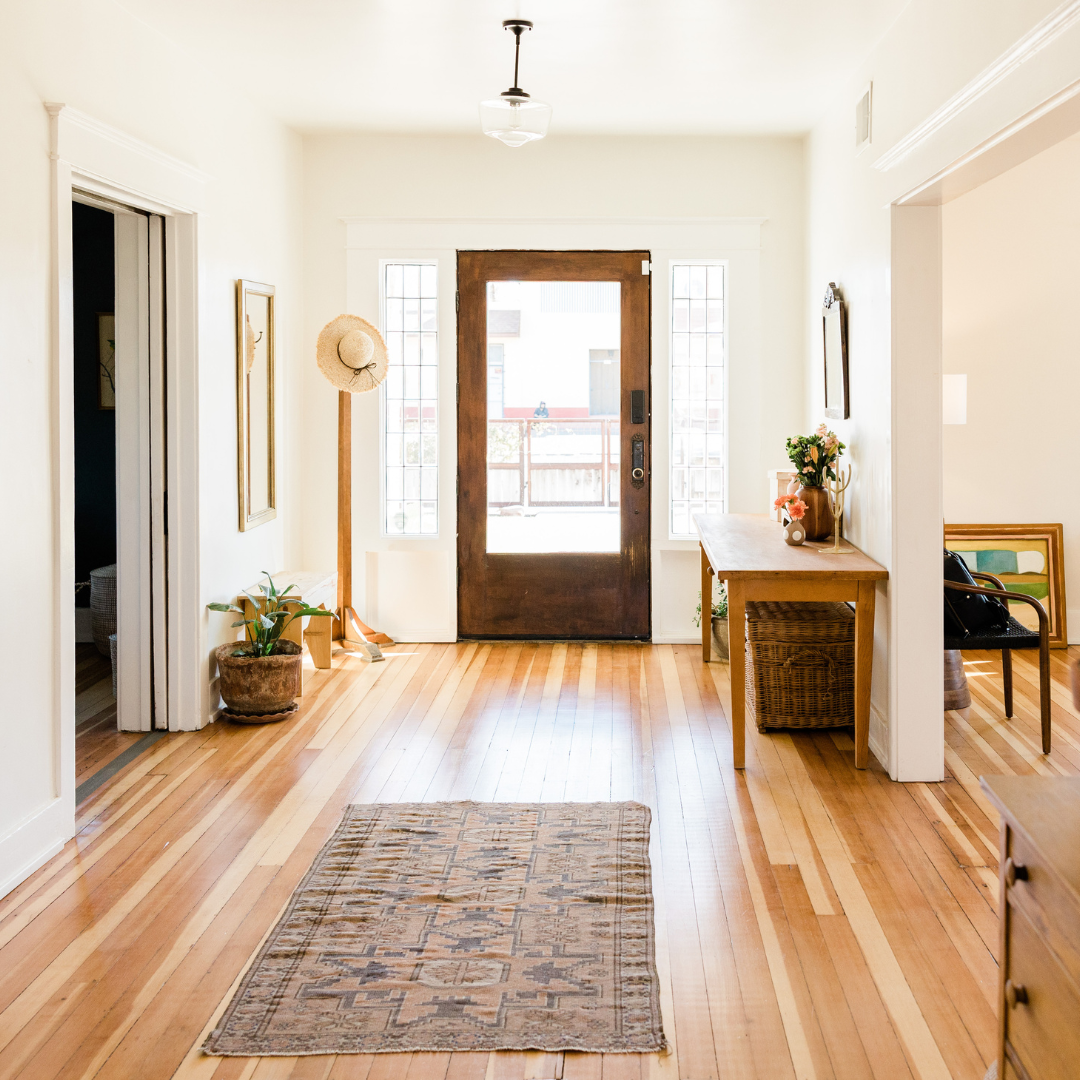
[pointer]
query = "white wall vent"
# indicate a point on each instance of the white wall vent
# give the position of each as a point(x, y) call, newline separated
point(862, 119)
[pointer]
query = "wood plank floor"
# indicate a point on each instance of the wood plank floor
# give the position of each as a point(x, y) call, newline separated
point(812, 921)
point(97, 742)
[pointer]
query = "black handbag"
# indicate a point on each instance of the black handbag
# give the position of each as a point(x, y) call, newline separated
point(969, 613)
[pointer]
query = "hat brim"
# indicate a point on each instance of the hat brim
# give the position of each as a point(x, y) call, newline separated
point(337, 372)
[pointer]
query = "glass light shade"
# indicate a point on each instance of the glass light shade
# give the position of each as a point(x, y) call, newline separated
point(514, 120)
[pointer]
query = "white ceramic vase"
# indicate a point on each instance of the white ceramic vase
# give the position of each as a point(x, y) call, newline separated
point(794, 533)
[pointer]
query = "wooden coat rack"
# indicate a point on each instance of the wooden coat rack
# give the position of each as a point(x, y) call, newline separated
point(351, 631)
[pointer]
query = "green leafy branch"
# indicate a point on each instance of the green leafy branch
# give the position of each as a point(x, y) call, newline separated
point(272, 616)
point(719, 607)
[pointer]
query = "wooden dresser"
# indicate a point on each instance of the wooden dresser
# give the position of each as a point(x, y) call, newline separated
point(1039, 997)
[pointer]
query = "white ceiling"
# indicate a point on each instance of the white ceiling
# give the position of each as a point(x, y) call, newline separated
point(619, 66)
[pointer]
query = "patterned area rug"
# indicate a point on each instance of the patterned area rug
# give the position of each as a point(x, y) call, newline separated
point(461, 926)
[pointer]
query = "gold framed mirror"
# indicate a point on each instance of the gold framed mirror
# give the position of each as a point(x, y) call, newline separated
point(834, 327)
point(255, 403)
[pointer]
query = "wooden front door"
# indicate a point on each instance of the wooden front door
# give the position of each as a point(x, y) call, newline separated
point(553, 444)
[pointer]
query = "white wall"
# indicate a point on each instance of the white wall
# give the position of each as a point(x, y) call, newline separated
point(886, 261)
point(576, 182)
point(1011, 279)
point(111, 67)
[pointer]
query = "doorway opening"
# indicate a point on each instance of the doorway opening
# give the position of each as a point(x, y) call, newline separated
point(120, 532)
point(553, 434)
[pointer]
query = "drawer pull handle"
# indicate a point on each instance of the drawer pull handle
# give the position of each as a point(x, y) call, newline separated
point(1015, 995)
point(1014, 872)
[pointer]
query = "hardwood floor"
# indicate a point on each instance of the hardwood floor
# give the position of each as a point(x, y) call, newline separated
point(97, 742)
point(812, 921)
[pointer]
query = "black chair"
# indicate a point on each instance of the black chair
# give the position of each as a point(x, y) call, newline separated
point(1013, 635)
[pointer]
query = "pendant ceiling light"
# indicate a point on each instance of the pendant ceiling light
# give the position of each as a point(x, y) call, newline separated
point(513, 117)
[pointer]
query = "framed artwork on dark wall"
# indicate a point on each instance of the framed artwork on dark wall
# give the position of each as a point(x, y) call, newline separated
point(834, 329)
point(106, 360)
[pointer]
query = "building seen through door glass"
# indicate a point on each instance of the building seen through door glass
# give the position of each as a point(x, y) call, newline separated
point(553, 394)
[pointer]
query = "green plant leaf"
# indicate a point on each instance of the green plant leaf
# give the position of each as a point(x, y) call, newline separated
point(225, 607)
point(242, 622)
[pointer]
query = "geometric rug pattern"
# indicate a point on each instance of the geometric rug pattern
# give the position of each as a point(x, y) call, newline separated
point(461, 926)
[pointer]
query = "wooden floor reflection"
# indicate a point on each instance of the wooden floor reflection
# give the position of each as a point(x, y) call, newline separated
point(812, 920)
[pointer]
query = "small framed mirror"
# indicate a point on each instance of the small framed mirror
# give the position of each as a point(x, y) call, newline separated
point(255, 403)
point(834, 327)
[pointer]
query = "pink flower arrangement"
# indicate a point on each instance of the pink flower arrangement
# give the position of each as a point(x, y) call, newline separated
point(792, 505)
point(815, 456)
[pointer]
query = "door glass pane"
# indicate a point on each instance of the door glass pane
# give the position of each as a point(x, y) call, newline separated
point(553, 399)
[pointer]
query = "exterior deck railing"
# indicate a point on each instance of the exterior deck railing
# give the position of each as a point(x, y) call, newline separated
point(553, 462)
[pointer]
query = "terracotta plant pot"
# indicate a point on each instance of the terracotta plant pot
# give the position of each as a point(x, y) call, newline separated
point(720, 638)
point(818, 519)
point(259, 685)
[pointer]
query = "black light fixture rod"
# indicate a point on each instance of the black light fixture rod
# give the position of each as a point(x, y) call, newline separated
point(518, 26)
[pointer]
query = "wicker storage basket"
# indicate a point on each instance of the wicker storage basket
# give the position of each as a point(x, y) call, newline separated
point(103, 606)
point(800, 664)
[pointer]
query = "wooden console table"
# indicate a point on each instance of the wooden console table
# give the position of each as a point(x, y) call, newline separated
point(748, 553)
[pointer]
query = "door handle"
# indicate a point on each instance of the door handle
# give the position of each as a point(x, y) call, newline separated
point(637, 461)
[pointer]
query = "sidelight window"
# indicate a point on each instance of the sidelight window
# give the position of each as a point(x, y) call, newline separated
point(411, 417)
point(698, 352)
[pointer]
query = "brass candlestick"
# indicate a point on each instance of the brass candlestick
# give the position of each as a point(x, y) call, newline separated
point(836, 489)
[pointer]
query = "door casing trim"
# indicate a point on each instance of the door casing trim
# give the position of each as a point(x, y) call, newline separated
point(737, 240)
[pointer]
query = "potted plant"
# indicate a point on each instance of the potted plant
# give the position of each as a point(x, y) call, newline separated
point(814, 457)
point(260, 676)
point(719, 620)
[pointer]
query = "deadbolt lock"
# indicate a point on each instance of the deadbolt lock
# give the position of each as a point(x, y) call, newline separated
point(637, 461)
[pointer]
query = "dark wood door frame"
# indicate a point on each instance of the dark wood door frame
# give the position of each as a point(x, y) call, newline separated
point(557, 595)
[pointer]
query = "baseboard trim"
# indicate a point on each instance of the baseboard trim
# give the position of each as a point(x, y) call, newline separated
point(34, 842)
point(879, 736)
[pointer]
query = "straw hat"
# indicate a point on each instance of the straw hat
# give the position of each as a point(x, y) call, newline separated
point(352, 354)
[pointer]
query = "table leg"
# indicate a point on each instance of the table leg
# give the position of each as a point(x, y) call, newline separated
point(864, 664)
point(737, 668)
point(706, 606)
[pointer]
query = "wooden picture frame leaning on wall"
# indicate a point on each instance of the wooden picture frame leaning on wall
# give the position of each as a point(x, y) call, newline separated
point(1013, 553)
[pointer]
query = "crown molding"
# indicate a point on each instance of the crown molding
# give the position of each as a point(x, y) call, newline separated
point(684, 234)
point(110, 162)
point(992, 157)
point(1036, 39)
point(125, 141)
point(557, 220)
